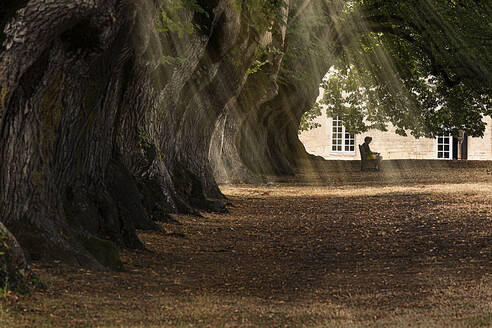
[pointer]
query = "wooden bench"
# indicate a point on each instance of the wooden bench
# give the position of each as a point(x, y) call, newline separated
point(367, 164)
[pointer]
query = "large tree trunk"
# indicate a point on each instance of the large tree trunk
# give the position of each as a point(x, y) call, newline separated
point(60, 76)
point(258, 135)
point(100, 136)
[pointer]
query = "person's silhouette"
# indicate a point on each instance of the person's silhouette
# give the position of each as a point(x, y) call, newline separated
point(369, 153)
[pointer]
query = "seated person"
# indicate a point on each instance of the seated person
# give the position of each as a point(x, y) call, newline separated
point(367, 150)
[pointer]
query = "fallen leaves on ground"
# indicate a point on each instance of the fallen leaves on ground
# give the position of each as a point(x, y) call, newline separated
point(355, 250)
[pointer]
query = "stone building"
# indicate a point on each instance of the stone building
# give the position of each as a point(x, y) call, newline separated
point(331, 141)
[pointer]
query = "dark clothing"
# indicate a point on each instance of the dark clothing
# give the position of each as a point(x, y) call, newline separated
point(367, 149)
point(369, 156)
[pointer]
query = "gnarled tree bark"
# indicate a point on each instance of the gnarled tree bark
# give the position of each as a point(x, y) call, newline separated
point(101, 134)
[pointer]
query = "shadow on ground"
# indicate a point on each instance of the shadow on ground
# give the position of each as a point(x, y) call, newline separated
point(332, 246)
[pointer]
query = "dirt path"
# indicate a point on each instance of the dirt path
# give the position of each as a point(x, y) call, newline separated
point(289, 255)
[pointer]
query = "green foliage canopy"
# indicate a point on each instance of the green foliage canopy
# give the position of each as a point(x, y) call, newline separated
point(423, 65)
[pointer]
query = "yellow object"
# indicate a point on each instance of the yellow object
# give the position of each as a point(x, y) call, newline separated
point(372, 156)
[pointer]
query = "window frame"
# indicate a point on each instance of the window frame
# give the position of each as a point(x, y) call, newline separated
point(343, 139)
point(450, 144)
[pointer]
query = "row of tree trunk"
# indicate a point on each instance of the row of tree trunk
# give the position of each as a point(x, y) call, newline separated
point(108, 125)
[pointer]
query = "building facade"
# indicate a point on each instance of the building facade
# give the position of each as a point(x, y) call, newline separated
point(331, 141)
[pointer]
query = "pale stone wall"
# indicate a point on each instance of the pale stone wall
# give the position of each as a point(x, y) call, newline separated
point(317, 141)
point(481, 148)
point(393, 146)
point(390, 145)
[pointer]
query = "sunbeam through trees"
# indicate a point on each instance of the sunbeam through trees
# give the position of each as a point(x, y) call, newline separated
point(118, 115)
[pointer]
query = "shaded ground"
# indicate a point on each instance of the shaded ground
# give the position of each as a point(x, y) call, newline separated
point(407, 247)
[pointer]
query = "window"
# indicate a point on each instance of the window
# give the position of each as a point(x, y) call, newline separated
point(341, 141)
point(444, 147)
